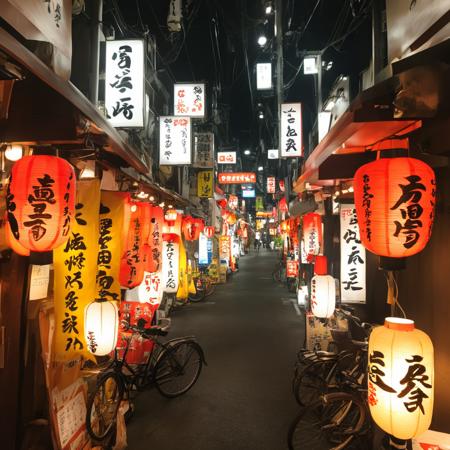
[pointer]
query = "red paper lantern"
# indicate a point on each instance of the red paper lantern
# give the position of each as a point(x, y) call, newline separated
point(13, 243)
point(394, 200)
point(132, 264)
point(321, 265)
point(41, 201)
point(209, 231)
point(291, 269)
point(192, 228)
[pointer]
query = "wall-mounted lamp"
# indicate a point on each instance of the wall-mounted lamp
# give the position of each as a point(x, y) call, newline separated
point(13, 152)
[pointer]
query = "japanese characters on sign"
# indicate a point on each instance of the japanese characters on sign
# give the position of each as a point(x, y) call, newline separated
point(263, 76)
point(353, 258)
point(272, 153)
point(74, 263)
point(189, 100)
point(124, 83)
point(226, 157)
point(225, 248)
point(204, 150)
point(291, 269)
point(312, 233)
point(291, 138)
point(271, 185)
point(236, 178)
point(170, 266)
point(205, 184)
point(174, 140)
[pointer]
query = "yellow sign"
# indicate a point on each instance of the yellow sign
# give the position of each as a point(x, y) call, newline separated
point(183, 288)
point(205, 184)
point(110, 244)
point(74, 264)
point(259, 203)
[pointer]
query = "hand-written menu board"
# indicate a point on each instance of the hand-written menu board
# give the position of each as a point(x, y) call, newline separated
point(71, 419)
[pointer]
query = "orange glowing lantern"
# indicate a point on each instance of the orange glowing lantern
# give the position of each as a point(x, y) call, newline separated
point(320, 265)
point(41, 201)
point(13, 243)
point(171, 215)
point(394, 200)
point(209, 231)
point(192, 228)
point(401, 378)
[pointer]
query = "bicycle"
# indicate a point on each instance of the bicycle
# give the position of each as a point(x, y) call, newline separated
point(204, 287)
point(173, 367)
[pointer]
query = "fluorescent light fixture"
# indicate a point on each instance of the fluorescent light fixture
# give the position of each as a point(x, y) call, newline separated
point(260, 168)
point(310, 65)
point(262, 41)
point(272, 153)
point(268, 9)
point(13, 152)
point(247, 152)
point(263, 76)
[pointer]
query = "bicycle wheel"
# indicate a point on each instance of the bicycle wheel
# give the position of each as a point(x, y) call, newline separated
point(102, 406)
point(200, 290)
point(178, 368)
point(312, 382)
point(334, 422)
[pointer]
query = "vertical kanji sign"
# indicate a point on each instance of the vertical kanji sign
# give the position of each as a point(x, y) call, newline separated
point(353, 258)
point(174, 140)
point(124, 83)
point(204, 150)
point(74, 264)
point(205, 184)
point(291, 133)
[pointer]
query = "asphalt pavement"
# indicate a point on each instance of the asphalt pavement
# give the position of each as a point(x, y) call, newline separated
point(250, 332)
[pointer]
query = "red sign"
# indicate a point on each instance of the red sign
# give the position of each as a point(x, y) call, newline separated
point(291, 269)
point(237, 178)
point(233, 201)
point(271, 185)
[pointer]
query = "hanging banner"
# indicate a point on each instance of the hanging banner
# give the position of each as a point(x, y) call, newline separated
point(124, 83)
point(236, 178)
point(74, 264)
point(183, 286)
point(155, 238)
point(205, 184)
point(170, 265)
point(271, 185)
point(204, 150)
point(291, 130)
point(132, 261)
point(233, 201)
point(110, 244)
point(312, 233)
point(174, 140)
point(353, 258)
point(259, 203)
point(225, 248)
point(226, 157)
point(189, 100)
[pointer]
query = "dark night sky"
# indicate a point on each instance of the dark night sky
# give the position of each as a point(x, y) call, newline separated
point(217, 31)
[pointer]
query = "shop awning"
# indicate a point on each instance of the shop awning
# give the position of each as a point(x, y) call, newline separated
point(366, 123)
point(64, 97)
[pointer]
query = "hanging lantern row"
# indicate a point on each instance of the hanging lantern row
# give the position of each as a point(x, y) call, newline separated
point(192, 228)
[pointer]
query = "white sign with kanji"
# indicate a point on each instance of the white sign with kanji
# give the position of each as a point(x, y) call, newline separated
point(174, 140)
point(291, 132)
point(124, 83)
point(189, 100)
point(353, 258)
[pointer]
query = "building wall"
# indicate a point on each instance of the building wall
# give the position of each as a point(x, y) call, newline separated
point(424, 289)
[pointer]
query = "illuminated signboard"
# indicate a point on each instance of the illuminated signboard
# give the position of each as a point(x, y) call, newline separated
point(189, 100)
point(174, 140)
point(291, 130)
point(226, 157)
point(236, 177)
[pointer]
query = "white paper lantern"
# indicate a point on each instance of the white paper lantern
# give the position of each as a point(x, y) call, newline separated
point(101, 323)
point(323, 296)
point(170, 266)
point(401, 378)
point(302, 294)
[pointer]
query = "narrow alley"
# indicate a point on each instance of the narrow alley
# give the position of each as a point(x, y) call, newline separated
point(243, 400)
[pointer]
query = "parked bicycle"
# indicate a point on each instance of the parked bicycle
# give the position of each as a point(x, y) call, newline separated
point(173, 367)
point(204, 286)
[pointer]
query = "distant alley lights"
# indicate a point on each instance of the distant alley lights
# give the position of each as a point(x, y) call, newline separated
point(268, 8)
